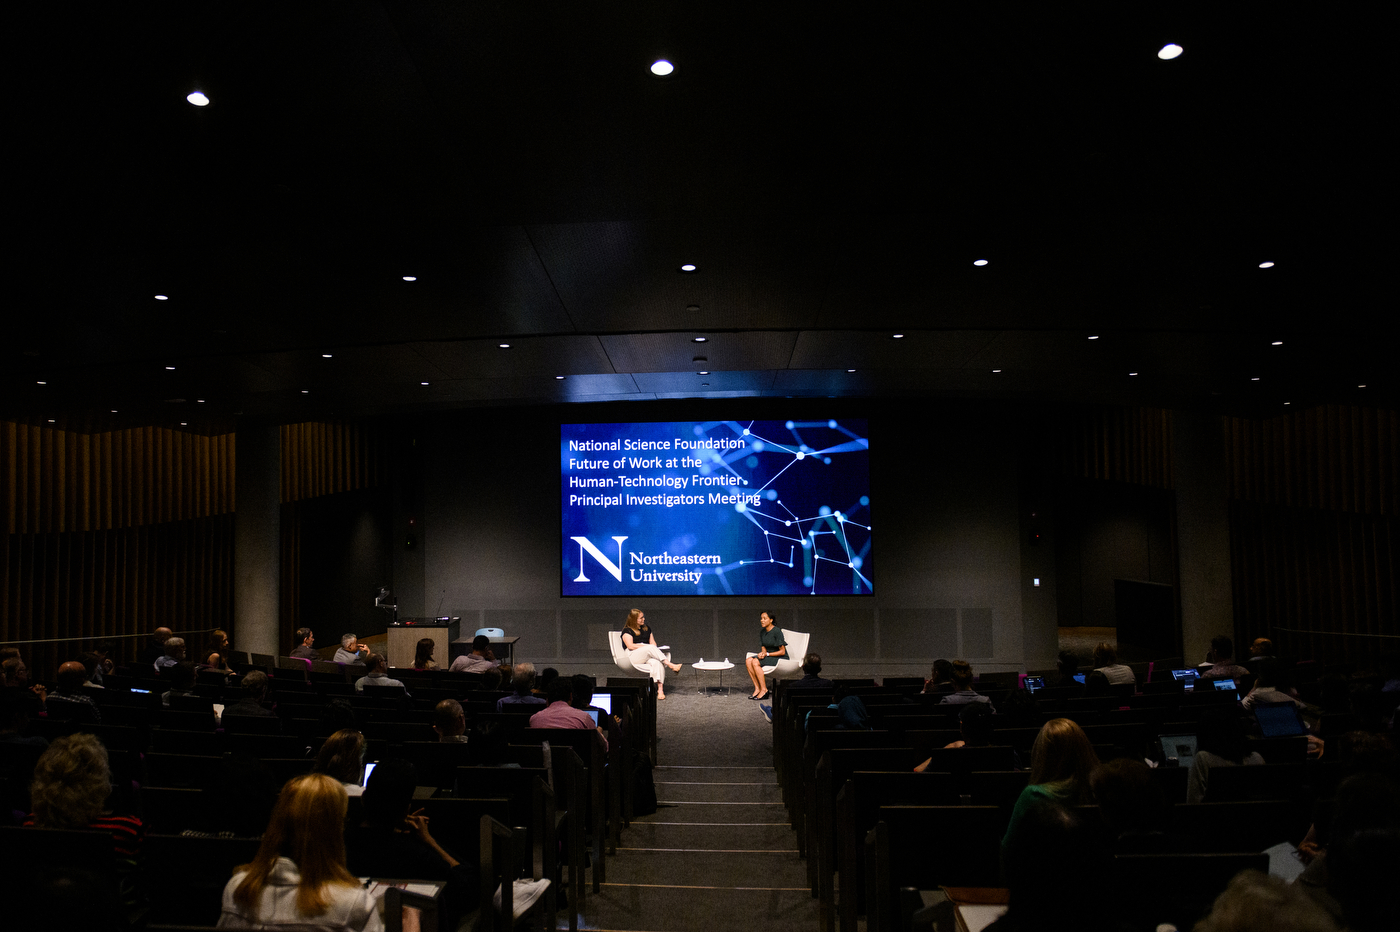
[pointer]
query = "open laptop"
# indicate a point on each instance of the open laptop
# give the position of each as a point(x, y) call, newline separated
point(1187, 678)
point(1033, 683)
point(1226, 685)
point(1279, 719)
point(1180, 747)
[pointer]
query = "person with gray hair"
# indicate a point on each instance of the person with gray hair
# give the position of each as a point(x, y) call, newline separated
point(522, 680)
point(174, 653)
point(350, 650)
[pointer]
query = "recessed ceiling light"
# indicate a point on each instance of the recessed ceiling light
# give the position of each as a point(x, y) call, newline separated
point(162, 297)
point(199, 401)
point(503, 345)
point(661, 67)
point(305, 391)
point(114, 410)
point(704, 384)
point(1094, 337)
point(979, 262)
point(325, 355)
point(422, 383)
point(198, 98)
point(700, 340)
point(1288, 402)
point(996, 370)
point(1254, 378)
point(689, 267)
point(1169, 51)
point(1266, 265)
point(1276, 343)
point(692, 307)
point(850, 370)
point(41, 383)
point(410, 278)
point(558, 378)
point(1132, 373)
point(169, 368)
point(703, 372)
point(1361, 386)
point(50, 420)
point(184, 423)
point(896, 336)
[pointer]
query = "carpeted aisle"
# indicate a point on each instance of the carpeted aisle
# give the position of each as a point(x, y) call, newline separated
point(718, 854)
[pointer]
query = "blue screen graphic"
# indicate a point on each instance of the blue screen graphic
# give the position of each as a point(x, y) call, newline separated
point(716, 508)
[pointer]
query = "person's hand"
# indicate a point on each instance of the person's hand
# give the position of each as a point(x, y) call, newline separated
point(40, 691)
point(415, 823)
point(1308, 851)
point(763, 654)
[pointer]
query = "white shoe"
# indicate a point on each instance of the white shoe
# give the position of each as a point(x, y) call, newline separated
point(524, 894)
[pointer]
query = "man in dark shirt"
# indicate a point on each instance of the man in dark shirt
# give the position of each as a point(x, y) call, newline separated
point(254, 694)
point(155, 645)
point(812, 678)
point(304, 650)
point(1222, 658)
point(71, 676)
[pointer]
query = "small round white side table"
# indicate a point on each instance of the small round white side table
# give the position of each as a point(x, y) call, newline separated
point(721, 666)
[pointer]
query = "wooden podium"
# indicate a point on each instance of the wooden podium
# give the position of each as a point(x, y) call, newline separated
point(405, 634)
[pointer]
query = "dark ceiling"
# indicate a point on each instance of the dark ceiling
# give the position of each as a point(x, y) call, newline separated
point(833, 170)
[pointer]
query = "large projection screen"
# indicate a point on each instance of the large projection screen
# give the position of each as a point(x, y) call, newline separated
point(684, 508)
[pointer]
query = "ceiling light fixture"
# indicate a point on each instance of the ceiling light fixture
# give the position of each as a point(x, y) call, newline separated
point(198, 98)
point(162, 297)
point(1361, 386)
point(850, 370)
point(422, 383)
point(184, 423)
point(306, 391)
point(410, 278)
point(996, 370)
point(50, 420)
point(1254, 378)
point(558, 378)
point(700, 340)
point(503, 345)
point(1266, 265)
point(979, 262)
point(199, 401)
point(661, 67)
point(114, 410)
point(169, 368)
point(690, 267)
point(325, 355)
point(1169, 51)
point(1095, 337)
point(41, 383)
point(1132, 373)
point(703, 372)
point(896, 336)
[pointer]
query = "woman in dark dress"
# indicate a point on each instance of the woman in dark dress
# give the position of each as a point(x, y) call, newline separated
point(771, 644)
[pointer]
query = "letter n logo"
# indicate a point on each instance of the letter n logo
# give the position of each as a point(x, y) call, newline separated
point(615, 568)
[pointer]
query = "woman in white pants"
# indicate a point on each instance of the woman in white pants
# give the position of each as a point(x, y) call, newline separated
point(643, 652)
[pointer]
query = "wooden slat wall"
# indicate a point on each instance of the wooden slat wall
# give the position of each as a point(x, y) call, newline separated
point(1117, 444)
point(1315, 530)
point(57, 480)
point(322, 458)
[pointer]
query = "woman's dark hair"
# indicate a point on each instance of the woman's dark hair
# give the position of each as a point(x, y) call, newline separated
point(772, 617)
point(975, 721)
point(388, 795)
point(547, 675)
point(423, 653)
point(342, 756)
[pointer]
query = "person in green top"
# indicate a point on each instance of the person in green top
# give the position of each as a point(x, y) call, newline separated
point(771, 644)
point(1061, 760)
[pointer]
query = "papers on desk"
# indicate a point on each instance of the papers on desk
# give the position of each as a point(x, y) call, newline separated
point(976, 917)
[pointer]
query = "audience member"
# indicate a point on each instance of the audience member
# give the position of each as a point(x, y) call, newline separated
point(17, 677)
point(1052, 855)
point(450, 722)
point(72, 781)
point(174, 653)
point(1267, 685)
point(1133, 807)
point(92, 664)
point(1062, 760)
point(1363, 854)
point(254, 685)
point(962, 683)
point(490, 745)
point(523, 682)
point(561, 714)
point(1220, 742)
point(298, 878)
point(812, 674)
point(350, 650)
point(1221, 660)
point(155, 646)
point(377, 674)
point(343, 757)
point(1106, 662)
point(182, 679)
point(392, 841)
point(305, 638)
point(423, 655)
point(547, 676)
point(491, 680)
point(940, 678)
point(1066, 668)
point(14, 719)
point(975, 726)
point(67, 698)
point(479, 660)
point(1261, 649)
point(1257, 902)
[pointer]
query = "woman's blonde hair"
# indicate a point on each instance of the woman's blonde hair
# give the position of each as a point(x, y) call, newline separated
point(342, 755)
point(632, 617)
point(71, 782)
point(1062, 754)
point(308, 827)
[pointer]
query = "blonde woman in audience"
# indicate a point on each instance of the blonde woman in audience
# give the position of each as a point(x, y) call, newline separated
point(298, 880)
point(1061, 761)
